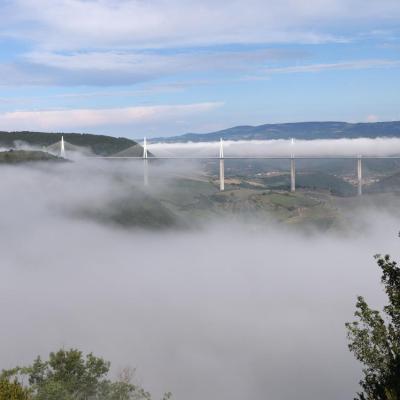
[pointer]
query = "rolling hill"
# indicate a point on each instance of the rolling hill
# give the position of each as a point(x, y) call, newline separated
point(297, 130)
point(389, 183)
point(98, 144)
point(23, 156)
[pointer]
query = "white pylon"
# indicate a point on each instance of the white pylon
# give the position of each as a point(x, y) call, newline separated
point(221, 148)
point(145, 148)
point(62, 148)
point(292, 148)
point(145, 164)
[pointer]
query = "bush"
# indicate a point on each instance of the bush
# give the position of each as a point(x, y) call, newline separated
point(12, 390)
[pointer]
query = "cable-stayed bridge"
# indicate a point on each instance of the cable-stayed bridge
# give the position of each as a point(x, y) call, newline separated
point(145, 156)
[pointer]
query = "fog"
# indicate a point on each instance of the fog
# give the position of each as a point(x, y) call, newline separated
point(226, 311)
point(282, 148)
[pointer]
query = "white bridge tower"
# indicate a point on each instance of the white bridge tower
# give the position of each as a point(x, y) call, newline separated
point(145, 164)
point(62, 147)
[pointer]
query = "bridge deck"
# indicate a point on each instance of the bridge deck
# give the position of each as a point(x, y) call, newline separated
point(368, 157)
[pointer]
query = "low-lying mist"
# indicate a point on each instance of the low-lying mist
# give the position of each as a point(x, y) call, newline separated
point(282, 148)
point(225, 311)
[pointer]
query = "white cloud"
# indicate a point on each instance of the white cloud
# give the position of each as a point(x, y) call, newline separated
point(372, 118)
point(77, 24)
point(81, 119)
point(95, 60)
point(358, 64)
point(107, 68)
point(89, 42)
point(137, 62)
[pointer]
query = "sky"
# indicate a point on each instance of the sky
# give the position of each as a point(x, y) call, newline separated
point(157, 68)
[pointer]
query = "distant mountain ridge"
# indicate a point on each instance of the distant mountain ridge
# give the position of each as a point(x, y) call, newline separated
point(297, 130)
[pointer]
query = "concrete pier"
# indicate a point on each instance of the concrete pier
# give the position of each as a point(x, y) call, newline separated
point(292, 168)
point(145, 172)
point(292, 175)
point(221, 175)
point(359, 176)
point(221, 166)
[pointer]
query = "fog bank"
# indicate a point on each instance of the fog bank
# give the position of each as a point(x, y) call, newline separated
point(282, 148)
point(226, 312)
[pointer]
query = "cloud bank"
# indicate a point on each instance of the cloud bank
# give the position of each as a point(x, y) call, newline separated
point(81, 119)
point(282, 148)
point(76, 24)
point(228, 312)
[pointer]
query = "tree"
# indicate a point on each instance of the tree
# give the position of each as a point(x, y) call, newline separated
point(69, 375)
point(375, 338)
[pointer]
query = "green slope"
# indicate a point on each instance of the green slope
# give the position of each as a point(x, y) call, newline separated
point(312, 181)
point(21, 156)
point(387, 184)
point(99, 144)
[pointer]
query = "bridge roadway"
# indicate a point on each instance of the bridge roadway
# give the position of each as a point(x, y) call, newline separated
point(339, 157)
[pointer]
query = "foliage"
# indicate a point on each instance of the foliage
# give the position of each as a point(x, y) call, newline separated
point(375, 338)
point(12, 390)
point(21, 156)
point(312, 181)
point(69, 375)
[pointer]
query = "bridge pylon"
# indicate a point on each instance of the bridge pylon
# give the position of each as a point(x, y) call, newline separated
point(62, 147)
point(359, 175)
point(145, 164)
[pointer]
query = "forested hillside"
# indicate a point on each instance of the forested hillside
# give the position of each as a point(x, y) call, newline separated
point(99, 144)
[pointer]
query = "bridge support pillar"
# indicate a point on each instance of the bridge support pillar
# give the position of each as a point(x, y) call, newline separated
point(292, 175)
point(221, 175)
point(145, 172)
point(359, 176)
point(221, 166)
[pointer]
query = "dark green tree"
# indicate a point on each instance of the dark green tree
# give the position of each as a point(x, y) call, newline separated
point(375, 338)
point(69, 375)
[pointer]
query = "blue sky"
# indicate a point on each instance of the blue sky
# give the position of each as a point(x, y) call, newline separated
point(159, 68)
